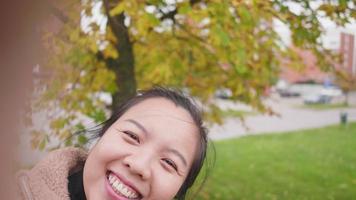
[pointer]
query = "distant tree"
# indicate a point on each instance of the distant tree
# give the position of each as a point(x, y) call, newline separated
point(346, 81)
point(199, 45)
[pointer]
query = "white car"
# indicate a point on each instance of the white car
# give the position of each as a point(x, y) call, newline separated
point(331, 91)
point(325, 95)
point(316, 99)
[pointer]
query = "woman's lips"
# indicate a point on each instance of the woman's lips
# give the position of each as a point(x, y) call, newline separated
point(121, 189)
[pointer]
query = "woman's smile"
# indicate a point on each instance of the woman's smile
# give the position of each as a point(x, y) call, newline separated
point(118, 188)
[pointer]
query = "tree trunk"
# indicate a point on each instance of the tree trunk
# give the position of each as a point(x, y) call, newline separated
point(124, 65)
point(346, 102)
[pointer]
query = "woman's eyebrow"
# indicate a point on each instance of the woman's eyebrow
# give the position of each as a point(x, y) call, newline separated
point(143, 129)
point(177, 153)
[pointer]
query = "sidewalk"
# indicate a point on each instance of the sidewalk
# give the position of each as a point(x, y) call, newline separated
point(291, 118)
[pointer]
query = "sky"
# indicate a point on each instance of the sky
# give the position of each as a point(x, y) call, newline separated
point(330, 37)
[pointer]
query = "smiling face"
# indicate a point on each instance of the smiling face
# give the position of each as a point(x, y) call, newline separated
point(146, 154)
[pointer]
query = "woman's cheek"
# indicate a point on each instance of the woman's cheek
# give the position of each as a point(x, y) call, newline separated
point(167, 185)
point(111, 142)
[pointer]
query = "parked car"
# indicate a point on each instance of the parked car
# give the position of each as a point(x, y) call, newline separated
point(288, 93)
point(317, 99)
point(325, 95)
point(223, 93)
point(331, 91)
point(284, 89)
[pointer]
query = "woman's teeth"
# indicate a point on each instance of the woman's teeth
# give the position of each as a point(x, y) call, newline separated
point(121, 188)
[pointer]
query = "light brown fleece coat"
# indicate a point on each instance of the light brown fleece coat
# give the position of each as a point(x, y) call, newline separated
point(48, 180)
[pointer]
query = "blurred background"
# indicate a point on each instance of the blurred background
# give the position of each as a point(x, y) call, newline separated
point(258, 69)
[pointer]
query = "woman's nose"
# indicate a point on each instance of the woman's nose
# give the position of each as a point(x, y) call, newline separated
point(139, 164)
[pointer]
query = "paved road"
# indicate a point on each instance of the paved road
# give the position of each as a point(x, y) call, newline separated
point(292, 117)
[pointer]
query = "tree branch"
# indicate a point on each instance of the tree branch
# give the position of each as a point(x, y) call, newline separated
point(169, 15)
point(117, 24)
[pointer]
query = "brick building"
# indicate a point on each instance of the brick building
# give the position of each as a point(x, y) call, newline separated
point(310, 72)
point(348, 52)
point(345, 45)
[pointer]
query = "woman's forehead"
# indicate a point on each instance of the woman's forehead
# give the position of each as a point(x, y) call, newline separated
point(163, 120)
point(159, 107)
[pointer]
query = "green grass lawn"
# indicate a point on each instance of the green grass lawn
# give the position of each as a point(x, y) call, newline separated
point(308, 164)
point(324, 106)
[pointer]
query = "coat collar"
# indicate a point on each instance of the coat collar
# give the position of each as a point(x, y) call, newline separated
point(49, 178)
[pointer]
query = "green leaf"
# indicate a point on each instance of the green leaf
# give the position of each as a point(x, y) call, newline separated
point(98, 115)
point(245, 14)
point(241, 69)
point(223, 36)
point(80, 126)
point(82, 139)
point(153, 20)
point(68, 143)
point(42, 144)
point(118, 9)
point(65, 135)
point(58, 123)
point(185, 8)
point(240, 66)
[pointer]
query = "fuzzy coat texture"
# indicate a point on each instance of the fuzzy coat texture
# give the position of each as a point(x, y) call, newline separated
point(48, 180)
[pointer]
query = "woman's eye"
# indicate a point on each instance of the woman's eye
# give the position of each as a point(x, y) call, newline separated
point(132, 136)
point(170, 163)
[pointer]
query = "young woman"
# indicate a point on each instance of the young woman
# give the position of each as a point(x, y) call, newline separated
point(153, 147)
